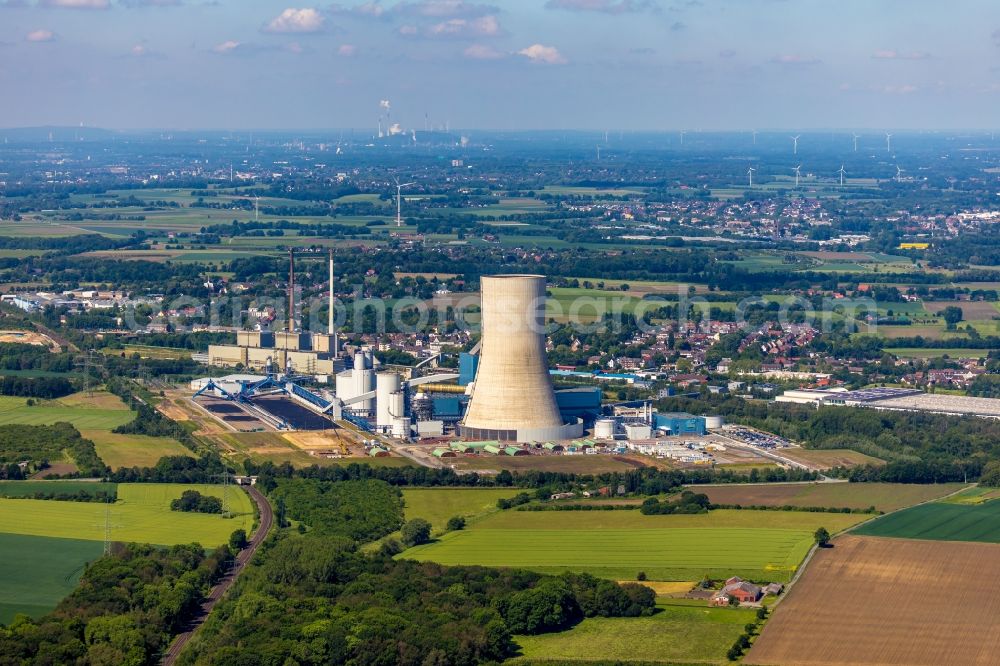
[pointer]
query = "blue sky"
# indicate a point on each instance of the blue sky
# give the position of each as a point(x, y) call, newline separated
point(596, 64)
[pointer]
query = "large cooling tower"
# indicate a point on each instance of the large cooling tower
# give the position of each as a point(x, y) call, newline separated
point(512, 398)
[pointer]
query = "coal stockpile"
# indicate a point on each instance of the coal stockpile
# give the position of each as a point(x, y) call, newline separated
point(222, 407)
point(293, 413)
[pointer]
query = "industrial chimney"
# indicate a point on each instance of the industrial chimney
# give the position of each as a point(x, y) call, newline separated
point(512, 399)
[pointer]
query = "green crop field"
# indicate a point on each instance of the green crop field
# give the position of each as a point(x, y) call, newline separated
point(940, 521)
point(619, 544)
point(37, 572)
point(955, 352)
point(681, 631)
point(437, 505)
point(142, 514)
point(118, 451)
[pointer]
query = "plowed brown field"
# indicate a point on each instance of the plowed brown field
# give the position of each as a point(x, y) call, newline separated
point(881, 601)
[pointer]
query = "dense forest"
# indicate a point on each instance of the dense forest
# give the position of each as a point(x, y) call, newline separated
point(40, 445)
point(315, 598)
point(124, 611)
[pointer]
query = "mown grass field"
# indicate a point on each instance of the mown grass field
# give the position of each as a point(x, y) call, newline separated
point(620, 544)
point(437, 505)
point(940, 521)
point(827, 458)
point(142, 514)
point(71, 409)
point(38, 571)
point(681, 631)
point(118, 451)
point(883, 496)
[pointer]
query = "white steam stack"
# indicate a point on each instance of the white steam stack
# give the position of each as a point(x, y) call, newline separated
point(512, 398)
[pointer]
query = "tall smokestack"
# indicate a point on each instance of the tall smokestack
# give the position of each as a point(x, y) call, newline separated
point(512, 398)
point(291, 291)
point(329, 331)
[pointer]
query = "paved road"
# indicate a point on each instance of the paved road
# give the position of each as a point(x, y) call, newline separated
point(220, 589)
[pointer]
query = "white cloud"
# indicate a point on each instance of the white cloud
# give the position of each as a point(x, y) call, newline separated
point(445, 9)
point(795, 59)
point(892, 54)
point(408, 30)
point(371, 9)
point(540, 53)
point(76, 4)
point(138, 50)
point(603, 6)
point(296, 20)
point(152, 3)
point(40, 36)
point(482, 52)
point(226, 47)
point(902, 89)
point(487, 26)
point(347, 50)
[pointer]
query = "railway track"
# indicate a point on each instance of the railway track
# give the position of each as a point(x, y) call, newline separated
point(266, 521)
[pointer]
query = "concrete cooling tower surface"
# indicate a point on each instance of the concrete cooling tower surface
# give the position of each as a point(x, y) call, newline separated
point(512, 399)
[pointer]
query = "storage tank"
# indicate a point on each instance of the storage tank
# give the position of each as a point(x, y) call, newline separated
point(386, 384)
point(513, 397)
point(364, 379)
point(605, 428)
point(401, 427)
point(713, 422)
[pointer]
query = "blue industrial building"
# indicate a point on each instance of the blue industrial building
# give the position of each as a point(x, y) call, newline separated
point(583, 403)
point(680, 423)
point(468, 364)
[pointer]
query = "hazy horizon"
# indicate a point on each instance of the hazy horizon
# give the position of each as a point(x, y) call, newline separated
point(646, 65)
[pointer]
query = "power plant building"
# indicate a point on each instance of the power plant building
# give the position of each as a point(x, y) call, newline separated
point(512, 396)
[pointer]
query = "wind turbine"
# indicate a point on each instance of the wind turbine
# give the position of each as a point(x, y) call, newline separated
point(754, 134)
point(795, 144)
point(888, 142)
point(750, 173)
point(256, 207)
point(797, 174)
point(683, 132)
point(856, 137)
point(399, 201)
point(899, 174)
point(598, 152)
point(841, 172)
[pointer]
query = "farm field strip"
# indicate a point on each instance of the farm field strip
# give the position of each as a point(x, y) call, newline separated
point(622, 553)
point(676, 633)
point(888, 601)
point(883, 496)
point(142, 514)
point(619, 544)
point(941, 521)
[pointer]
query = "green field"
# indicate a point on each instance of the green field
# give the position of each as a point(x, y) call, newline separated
point(681, 631)
point(437, 505)
point(37, 572)
point(118, 451)
point(142, 514)
point(84, 417)
point(940, 521)
point(956, 352)
point(619, 544)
